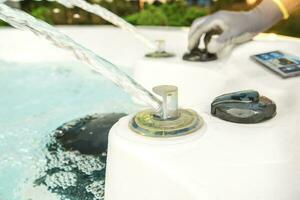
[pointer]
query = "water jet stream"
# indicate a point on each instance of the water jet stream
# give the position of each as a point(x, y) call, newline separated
point(24, 21)
point(110, 17)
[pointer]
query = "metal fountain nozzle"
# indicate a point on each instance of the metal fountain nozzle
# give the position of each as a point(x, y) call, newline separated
point(169, 121)
point(160, 45)
point(169, 107)
point(160, 51)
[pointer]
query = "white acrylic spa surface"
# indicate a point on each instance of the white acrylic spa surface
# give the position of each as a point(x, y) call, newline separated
point(222, 161)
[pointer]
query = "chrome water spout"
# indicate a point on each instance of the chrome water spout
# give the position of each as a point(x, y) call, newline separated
point(169, 107)
point(160, 45)
point(160, 50)
point(169, 121)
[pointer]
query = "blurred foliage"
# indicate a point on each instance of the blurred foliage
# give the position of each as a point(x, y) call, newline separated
point(150, 16)
point(120, 7)
point(230, 5)
point(176, 13)
point(2, 23)
point(55, 13)
point(172, 13)
point(42, 13)
point(290, 27)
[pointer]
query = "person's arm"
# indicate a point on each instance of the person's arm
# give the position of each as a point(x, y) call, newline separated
point(238, 27)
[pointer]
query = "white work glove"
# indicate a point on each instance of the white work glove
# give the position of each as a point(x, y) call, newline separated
point(233, 27)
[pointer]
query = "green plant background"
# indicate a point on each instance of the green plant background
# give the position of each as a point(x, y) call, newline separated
point(173, 13)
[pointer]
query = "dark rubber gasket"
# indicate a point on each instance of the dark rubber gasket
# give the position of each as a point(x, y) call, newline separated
point(199, 55)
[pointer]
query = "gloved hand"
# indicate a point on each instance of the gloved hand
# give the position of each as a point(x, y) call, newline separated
point(233, 27)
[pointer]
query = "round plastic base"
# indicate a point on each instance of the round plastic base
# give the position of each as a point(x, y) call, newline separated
point(148, 124)
point(160, 54)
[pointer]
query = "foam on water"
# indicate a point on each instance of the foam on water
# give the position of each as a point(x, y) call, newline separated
point(35, 99)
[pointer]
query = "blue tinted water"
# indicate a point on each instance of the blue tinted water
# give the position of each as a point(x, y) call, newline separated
point(36, 98)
